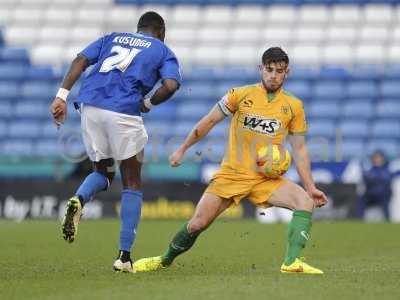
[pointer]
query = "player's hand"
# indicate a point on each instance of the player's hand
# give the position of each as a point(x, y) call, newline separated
point(143, 108)
point(176, 158)
point(318, 196)
point(58, 110)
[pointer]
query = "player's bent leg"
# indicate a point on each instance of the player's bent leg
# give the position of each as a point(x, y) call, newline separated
point(294, 197)
point(95, 182)
point(130, 210)
point(208, 209)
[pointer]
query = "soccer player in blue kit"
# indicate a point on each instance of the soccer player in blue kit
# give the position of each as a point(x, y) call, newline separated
point(126, 66)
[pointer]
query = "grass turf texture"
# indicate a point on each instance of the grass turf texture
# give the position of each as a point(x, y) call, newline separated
point(232, 260)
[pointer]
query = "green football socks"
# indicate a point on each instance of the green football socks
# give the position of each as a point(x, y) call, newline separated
point(298, 235)
point(182, 242)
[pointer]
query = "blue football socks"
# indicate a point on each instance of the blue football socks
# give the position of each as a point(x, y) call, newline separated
point(93, 183)
point(131, 205)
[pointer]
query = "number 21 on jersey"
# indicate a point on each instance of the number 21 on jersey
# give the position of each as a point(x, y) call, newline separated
point(121, 60)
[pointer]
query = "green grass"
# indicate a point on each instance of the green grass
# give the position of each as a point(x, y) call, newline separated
point(232, 260)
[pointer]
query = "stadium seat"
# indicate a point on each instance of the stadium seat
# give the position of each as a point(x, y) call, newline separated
point(362, 109)
point(370, 53)
point(208, 55)
point(181, 35)
point(56, 16)
point(24, 129)
point(158, 129)
point(166, 111)
point(182, 128)
point(390, 89)
point(378, 13)
point(241, 55)
point(54, 35)
point(46, 53)
point(281, 14)
point(13, 72)
point(328, 89)
point(32, 16)
point(3, 128)
point(350, 149)
point(392, 71)
point(305, 54)
point(6, 110)
point(367, 71)
point(248, 34)
point(243, 12)
point(389, 146)
point(299, 88)
point(324, 109)
point(192, 110)
point(8, 90)
point(388, 108)
point(19, 35)
point(375, 34)
point(342, 34)
point(278, 34)
point(30, 109)
point(17, 147)
point(337, 54)
point(200, 73)
point(14, 55)
point(48, 147)
point(308, 34)
point(386, 129)
point(333, 73)
point(186, 15)
point(212, 35)
point(362, 89)
point(321, 128)
point(48, 130)
point(199, 90)
point(217, 14)
point(347, 14)
point(33, 90)
point(354, 129)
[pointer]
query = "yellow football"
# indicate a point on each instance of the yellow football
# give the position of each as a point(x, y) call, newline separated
point(273, 160)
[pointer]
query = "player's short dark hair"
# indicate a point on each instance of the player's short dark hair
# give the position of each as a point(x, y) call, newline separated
point(274, 55)
point(151, 19)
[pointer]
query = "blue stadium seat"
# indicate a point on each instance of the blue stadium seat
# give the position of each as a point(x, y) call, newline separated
point(386, 129)
point(3, 129)
point(362, 89)
point(192, 110)
point(390, 89)
point(303, 73)
point(367, 72)
point(48, 130)
point(351, 148)
point(388, 108)
point(328, 90)
point(321, 109)
point(200, 73)
point(320, 149)
point(6, 109)
point(165, 111)
point(34, 90)
point(182, 128)
point(389, 146)
point(24, 129)
point(158, 128)
point(247, 75)
point(392, 72)
point(17, 147)
point(199, 90)
point(358, 109)
point(354, 129)
point(8, 90)
point(321, 128)
point(44, 73)
point(13, 71)
point(14, 55)
point(48, 147)
point(29, 109)
point(333, 73)
point(299, 88)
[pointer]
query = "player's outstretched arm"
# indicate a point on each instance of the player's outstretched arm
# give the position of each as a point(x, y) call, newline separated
point(303, 166)
point(162, 94)
point(198, 132)
point(58, 108)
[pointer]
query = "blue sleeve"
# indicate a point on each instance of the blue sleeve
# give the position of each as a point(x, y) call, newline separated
point(92, 52)
point(170, 67)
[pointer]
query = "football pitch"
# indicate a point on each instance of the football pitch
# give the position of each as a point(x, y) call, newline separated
point(232, 260)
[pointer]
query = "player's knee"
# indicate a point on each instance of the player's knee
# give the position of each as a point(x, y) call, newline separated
point(197, 225)
point(302, 201)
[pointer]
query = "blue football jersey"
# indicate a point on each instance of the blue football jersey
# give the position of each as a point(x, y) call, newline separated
point(126, 66)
